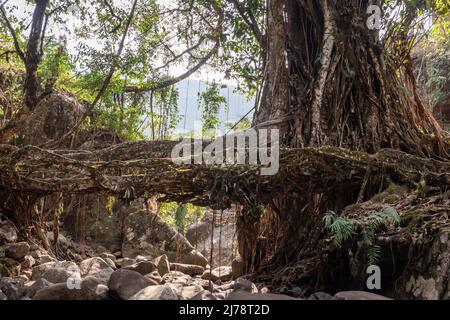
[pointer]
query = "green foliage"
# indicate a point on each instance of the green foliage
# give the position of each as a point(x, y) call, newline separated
point(110, 201)
point(210, 102)
point(344, 229)
point(181, 216)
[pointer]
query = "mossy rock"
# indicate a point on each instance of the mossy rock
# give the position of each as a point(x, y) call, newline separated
point(9, 267)
point(390, 195)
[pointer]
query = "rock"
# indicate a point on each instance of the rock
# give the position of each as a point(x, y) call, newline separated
point(218, 274)
point(27, 272)
point(17, 250)
point(57, 272)
point(97, 268)
point(11, 287)
point(106, 255)
point(118, 254)
point(63, 242)
point(162, 263)
point(320, 296)
point(30, 288)
point(124, 262)
point(237, 267)
point(46, 258)
point(3, 296)
point(141, 258)
point(110, 263)
point(189, 269)
point(8, 233)
point(160, 292)
point(102, 292)
point(243, 295)
point(188, 292)
point(198, 232)
point(22, 277)
point(125, 283)
point(177, 277)
point(28, 262)
point(191, 257)
point(358, 295)
point(144, 267)
point(88, 291)
point(223, 237)
point(243, 284)
point(103, 225)
point(9, 267)
point(155, 277)
point(149, 233)
point(52, 117)
point(204, 295)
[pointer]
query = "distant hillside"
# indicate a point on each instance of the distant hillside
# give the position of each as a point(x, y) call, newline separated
point(189, 90)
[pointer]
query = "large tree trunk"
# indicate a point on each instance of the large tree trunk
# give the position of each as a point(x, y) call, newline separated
point(328, 82)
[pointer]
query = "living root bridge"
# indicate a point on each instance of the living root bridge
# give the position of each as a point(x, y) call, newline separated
point(139, 168)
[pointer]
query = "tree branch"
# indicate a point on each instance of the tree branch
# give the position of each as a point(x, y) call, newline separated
point(13, 34)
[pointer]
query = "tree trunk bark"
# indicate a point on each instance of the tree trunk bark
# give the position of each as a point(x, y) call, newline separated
point(328, 82)
point(33, 54)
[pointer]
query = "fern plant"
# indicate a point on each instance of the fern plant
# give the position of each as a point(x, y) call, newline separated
point(343, 229)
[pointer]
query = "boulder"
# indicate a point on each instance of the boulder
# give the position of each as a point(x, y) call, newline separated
point(46, 258)
point(3, 296)
point(110, 263)
point(28, 262)
point(27, 272)
point(358, 295)
point(189, 269)
point(63, 242)
point(125, 283)
point(103, 225)
point(97, 268)
point(243, 295)
point(144, 267)
point(198, 232)
point(191, 257)
point(17, 250)
point(124, 262)
point(223, 236)
point(188, 292)
point(218, 274)
point(8, 233)
point(9, 267)
point(160, 292)
point(162, 263)
point(107, 255)
point(320, 296)
point(11, 287)
point(242, 284)
point(149, 233)
point(56, 272)
point(155, 277)
point(30, 288)
point(89, 290)
point(204, 295)
point(141, 258)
